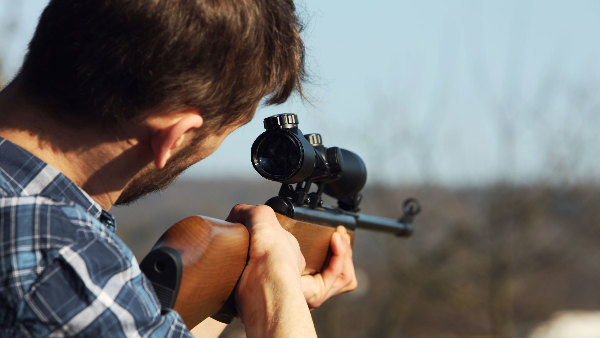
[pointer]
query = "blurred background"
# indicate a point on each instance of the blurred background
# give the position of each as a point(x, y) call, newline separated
point(487, 111)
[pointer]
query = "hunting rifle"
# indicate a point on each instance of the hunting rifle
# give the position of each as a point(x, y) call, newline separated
point(195, 265)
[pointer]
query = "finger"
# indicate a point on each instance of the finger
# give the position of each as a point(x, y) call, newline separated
point(239, 213)
point(317, 288)
point(338, 241)
point(313, 289)
point(348, 273)
point(345, 278)
point(342, 252)
point(252, 215)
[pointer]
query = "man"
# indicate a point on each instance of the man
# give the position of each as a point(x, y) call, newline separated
point(114, 99)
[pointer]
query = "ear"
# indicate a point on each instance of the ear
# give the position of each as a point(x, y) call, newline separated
point(170, 132)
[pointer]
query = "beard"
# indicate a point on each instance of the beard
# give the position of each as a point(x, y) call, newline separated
point(153, 179)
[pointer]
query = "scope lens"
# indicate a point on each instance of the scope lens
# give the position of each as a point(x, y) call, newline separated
point(278, 155)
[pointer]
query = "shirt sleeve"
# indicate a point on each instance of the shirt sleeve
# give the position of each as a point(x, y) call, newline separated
point(94, 287)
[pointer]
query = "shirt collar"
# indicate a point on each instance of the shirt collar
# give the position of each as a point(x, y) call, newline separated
point(30, 176)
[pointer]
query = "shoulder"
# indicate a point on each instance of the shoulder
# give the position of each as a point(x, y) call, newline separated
point(36, 232)
point(42, 224)
point(63, 272)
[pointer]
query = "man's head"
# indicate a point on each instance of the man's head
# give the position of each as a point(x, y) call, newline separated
point(182, 131)
point(108, 62)
point(113, 65)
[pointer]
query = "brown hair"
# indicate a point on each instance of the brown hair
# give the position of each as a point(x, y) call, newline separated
point(109, 61)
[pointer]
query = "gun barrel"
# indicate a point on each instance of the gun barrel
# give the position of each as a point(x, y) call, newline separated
point(326, 217)
point(334, 217)
point(368, 222)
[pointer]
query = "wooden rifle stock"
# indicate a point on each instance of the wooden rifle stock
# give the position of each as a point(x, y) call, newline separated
point(195, 265)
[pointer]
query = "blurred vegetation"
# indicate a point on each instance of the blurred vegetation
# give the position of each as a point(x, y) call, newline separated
point(483, 261)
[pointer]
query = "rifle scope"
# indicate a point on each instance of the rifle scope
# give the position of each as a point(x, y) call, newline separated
point(283, 154)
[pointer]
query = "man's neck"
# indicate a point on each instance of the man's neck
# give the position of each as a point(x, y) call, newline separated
point(100, 165)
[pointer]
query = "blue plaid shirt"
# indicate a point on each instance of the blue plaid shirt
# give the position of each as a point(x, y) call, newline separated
point(63, 271)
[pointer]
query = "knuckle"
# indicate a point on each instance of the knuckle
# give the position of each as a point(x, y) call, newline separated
point(302, 263)
point(349, 279)
point(238, 207)
point(313, 304)
point(295, 244)
point(261, 212)
point(353, 285)
point(345, 279)
point(293, 241)
point(263, 209)
point(290, 237)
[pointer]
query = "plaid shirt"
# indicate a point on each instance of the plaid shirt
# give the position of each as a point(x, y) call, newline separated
point(63, 271)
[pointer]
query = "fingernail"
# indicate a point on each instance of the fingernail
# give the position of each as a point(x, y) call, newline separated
point(336, 237)
point(348, 239)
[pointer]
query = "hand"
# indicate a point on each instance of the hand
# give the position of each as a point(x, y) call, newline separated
point(269, 294)
point(268, 240)
point(337, 277)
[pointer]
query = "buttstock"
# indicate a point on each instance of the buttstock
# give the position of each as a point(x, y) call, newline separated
point(213, 255)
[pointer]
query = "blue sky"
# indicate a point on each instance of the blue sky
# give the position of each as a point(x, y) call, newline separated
point(434, 91)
